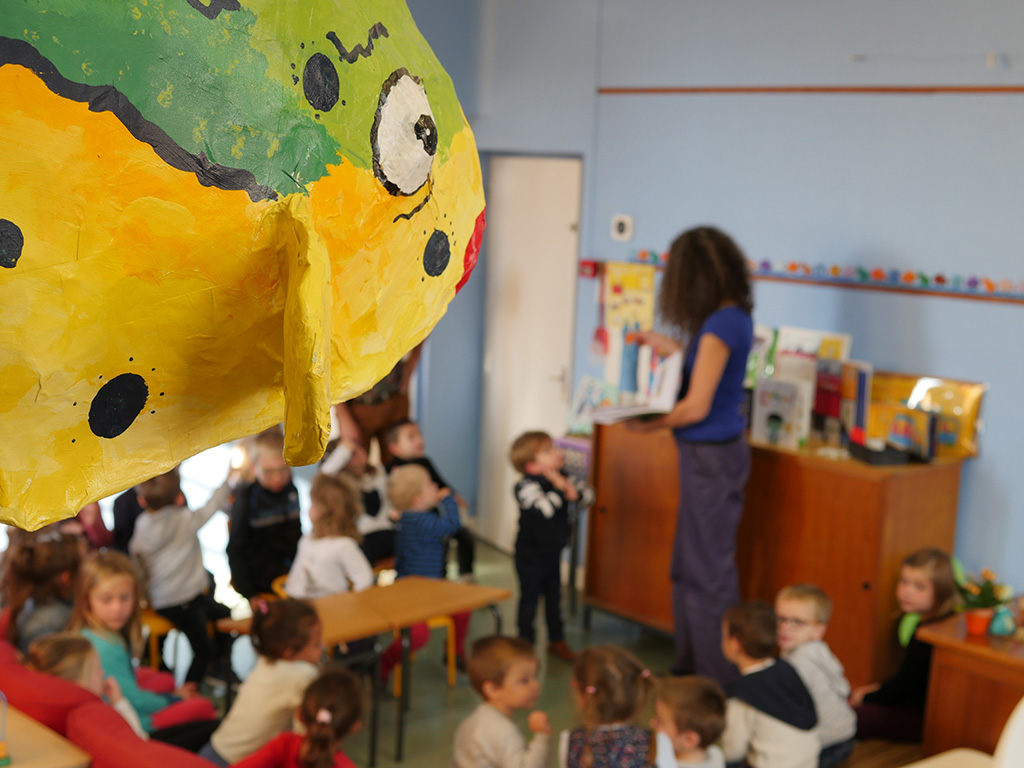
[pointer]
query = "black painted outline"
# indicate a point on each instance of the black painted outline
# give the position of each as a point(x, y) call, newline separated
point(376, 32)
point(418, 208)
point(212, 11)
point(378, 170)
point(106, 98)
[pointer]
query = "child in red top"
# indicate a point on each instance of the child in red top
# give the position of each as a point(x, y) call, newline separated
point(331, 710)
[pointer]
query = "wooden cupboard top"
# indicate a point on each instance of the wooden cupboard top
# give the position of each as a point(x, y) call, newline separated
point(809, 458)
point(951, 634)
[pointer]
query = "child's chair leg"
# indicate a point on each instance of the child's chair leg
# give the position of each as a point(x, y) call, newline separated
point(451, 653)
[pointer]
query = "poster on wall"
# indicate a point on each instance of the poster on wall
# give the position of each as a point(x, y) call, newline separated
point(215, 216)
point(627, 299)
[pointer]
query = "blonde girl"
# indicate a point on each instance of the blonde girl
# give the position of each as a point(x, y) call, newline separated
point(329, 559)
point(894, 708)
point(611, 688)
point(108, 615)
point(72, 657)
point(331, 710)
point(39, 575)
point(288, 637)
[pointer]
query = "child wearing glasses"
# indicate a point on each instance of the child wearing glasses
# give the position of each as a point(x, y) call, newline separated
point(803, 611)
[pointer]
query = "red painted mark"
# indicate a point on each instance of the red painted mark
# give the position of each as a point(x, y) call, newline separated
point(473, 249)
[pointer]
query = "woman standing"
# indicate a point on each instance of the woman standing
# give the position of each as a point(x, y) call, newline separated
point(705, 296)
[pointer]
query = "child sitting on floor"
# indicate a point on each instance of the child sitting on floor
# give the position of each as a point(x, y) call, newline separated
point(287, 636)
point(166, 546)
point(611, 688)
point(330, 712)
point(38, 584)
point(802, 612)
point(770, 717)
point(690, 718)
point(329, 559)
point(503, 670)
point(406, 445)
point(419, 550)
point(894, 709)
point(72, 657)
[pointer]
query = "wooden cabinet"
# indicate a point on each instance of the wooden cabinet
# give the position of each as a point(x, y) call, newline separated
point(975, 684)
point(843, 525)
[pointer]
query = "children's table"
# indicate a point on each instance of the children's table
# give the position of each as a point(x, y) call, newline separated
point(415, 599)
point(33, 745)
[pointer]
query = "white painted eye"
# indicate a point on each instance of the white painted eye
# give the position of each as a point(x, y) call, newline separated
point(404, 136)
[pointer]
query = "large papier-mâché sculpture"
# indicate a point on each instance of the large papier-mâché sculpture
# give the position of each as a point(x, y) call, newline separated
point(214, 216)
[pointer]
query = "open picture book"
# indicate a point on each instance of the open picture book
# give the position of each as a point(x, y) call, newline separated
point(660, 398)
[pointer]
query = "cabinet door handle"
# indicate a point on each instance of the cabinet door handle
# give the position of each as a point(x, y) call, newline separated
point(866, 586)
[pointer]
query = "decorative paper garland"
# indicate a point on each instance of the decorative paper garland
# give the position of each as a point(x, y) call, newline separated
point(906, 281)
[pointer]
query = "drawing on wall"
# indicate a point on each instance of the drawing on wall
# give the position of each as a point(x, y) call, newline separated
point(214, 216)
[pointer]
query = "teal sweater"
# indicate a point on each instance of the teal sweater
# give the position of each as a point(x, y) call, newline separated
point(117, 663)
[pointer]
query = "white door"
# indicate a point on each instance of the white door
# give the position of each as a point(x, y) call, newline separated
point(533, 209)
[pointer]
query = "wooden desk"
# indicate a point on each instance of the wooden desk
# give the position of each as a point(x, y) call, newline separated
point(409, 601)
point(975, 684)
point(843, 525)
point(415, 599)
point(33, 745)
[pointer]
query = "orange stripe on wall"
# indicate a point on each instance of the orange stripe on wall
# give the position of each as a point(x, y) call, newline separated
point(837, 89)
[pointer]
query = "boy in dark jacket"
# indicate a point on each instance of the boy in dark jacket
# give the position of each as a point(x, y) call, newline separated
point(543, 494)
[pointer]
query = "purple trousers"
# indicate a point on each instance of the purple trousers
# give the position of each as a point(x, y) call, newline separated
point(705, 583)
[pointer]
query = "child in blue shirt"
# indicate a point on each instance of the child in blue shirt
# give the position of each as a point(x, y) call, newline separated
point(419, 549)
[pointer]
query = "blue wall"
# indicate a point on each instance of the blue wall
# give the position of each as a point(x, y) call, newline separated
point(931, 183)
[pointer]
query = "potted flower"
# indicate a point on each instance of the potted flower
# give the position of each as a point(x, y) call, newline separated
point(981, 595)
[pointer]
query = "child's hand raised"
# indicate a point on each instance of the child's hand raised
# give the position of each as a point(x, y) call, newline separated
point(561, 482)
point(538, 722)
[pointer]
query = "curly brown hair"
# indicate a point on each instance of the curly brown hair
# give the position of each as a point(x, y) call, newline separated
point(705, 270)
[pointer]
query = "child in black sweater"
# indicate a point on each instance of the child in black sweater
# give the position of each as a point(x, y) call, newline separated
point(894, 708)
point(543, 495)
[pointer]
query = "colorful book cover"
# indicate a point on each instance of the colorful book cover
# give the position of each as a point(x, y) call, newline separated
point(856, 394)
point(828, 391)
point(827, 344)
point(776, 414)
point(957, 405)
point(907, 429)
point(801, 369)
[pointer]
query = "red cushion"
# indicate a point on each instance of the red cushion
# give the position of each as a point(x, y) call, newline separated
point(42, 697)
point(8, 653)
point(103, 733)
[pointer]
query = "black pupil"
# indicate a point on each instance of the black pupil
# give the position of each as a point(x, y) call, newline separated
point(426, 132)
point(320, 82)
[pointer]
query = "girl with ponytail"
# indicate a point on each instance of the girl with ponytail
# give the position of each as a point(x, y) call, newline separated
point(331, 710)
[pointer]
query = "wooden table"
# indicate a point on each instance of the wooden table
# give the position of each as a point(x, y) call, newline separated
point(975, 684)
point(33, 745)
point(397, 607)
point(415, 599)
